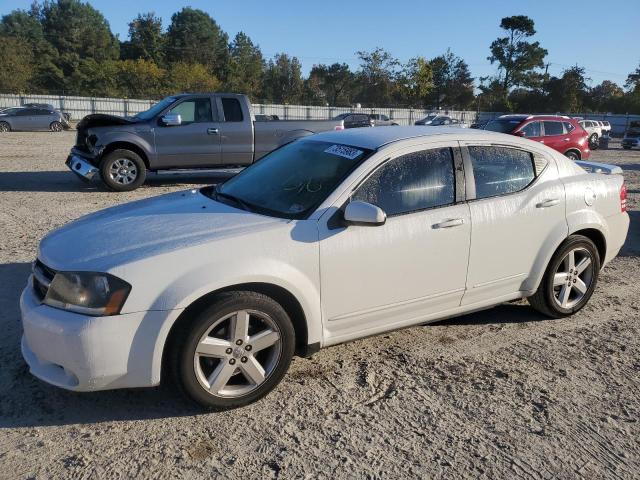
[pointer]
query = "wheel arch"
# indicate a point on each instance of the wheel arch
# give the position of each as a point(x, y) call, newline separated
point(124, 145)
point(284, 297)
point(573, 149)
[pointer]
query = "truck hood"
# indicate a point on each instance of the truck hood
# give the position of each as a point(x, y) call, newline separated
point(146, 228)
point(103, 120)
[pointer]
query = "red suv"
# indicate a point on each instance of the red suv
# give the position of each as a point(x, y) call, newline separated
point(563, 134)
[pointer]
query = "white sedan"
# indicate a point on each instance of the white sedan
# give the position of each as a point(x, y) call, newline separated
point(328, 239)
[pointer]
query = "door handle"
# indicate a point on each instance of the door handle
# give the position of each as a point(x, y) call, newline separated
point(548, 203)
point(452, 222)
point(212, 131)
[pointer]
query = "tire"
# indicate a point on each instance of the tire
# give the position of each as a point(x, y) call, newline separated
point(593, 141)
point(572, 155)
point(625, 147)
point(226, 377)
point(4, 127)
point(123, 170)
point(550, 298)
point(56, 127)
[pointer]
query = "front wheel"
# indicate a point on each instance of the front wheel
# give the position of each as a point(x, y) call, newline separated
point(56, 127)
point(4, 127)
point(569, 280)
point(234, 352)
point(123, 170)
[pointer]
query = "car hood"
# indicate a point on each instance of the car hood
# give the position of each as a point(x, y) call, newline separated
point(103, 120)
point(146, 228)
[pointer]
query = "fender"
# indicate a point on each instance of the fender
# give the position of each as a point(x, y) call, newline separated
point(120, 139)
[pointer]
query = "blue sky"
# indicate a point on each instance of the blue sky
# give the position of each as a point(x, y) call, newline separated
point(603, 37)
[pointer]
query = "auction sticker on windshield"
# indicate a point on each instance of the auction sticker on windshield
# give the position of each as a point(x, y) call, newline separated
point(344, 151)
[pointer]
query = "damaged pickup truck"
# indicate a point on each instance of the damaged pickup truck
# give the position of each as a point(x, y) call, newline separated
point(180, 134)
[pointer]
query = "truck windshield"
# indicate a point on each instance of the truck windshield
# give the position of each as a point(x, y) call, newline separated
point(156, 109)
point(292, 181)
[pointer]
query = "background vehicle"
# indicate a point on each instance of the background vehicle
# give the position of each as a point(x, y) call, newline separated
point(605, 126)
point(31, 119)
point(439, 120)
point(561, 133)
point(632, 136)
point(380, 120)
point(355, 120)
point(223, 284)
point(594, 129)
point(48, 106)
point(182, 132)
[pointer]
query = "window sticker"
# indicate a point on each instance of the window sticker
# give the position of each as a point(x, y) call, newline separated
point(344, 151)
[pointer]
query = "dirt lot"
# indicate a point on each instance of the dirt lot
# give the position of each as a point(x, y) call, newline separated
point(503, 393)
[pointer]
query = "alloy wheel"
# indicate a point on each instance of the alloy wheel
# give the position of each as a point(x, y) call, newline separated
point(4, 127)
point(56, 127)
point(123, 171)
point(237, 353)
point(573, 278)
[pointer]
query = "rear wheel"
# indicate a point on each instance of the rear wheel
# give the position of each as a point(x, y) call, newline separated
point(572, 154)
point(56, 127)
point(4, 127)
point(234, 352)
point(593, 141)
point(569, 280)
point(123, 170)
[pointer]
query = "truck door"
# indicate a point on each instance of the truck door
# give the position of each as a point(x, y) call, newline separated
point(195, 143)
point(236, 131)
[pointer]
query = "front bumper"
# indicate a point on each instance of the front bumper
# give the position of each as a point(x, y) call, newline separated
point(83, 353)
point(81, 167)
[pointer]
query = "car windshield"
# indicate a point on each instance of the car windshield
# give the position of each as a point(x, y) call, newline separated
point(502, 126)
point(428, 118)
point(292, 181)
point(156, 109)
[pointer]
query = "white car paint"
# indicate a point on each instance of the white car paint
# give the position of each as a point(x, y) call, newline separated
point(350, 282)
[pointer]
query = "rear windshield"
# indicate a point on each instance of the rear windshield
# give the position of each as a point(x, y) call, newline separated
point(502, 126)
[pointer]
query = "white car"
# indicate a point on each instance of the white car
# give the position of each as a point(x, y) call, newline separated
point(605, 126)
point(594, 129)
point(330, 238)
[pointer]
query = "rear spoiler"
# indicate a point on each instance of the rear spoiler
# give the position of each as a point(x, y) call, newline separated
point(594, 167)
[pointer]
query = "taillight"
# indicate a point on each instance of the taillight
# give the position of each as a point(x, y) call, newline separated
point(339, 127)
point(623, 198)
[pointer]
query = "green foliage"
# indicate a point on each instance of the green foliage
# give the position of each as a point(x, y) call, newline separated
point(146, 39)
point(246, 67)
point(191, 77)
point(283, 80)
point(452, 82)
point(195, 38)
point(377, 75)
point(332, 84)
point(16, 64)
point(415, 82)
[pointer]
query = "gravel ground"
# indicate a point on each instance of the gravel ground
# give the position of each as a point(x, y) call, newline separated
point(502, 393)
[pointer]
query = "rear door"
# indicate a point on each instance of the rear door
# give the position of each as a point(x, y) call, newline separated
point(236, 131)
point(22, 119)
point(193, 144)
point(555, 136)
point(517, 207)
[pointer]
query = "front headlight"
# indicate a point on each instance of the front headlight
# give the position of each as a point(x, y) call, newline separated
point(88, 293)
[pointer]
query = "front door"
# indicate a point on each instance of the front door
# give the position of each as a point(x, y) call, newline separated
point(193, 144)
point(376, 278)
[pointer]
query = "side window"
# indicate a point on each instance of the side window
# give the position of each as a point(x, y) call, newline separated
point(500, 170)
point(411, 182)
point(553, 128)
point(568, 127)
point(532, 130)
point(197, 110)
point(232, 110)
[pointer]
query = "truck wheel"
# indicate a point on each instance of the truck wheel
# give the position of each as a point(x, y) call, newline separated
point(234, 352)
point(123, 170)
point(569, 280)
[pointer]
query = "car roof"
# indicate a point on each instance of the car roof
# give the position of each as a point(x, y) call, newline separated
point(376, 137)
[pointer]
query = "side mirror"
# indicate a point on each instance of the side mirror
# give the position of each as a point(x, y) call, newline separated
point(363, 213)
point(171, 120)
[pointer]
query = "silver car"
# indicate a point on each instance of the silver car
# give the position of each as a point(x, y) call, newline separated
point(31, 119)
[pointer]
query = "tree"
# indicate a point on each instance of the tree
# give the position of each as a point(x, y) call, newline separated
point(195, 38)
point(605, 97)
point(140, 78)
point(283, 80)
point(415, 82)
point(191, 77)
point(16, 65)
point(378, 71)
point(146, 40)
point(246, 67)
point(334, 83)
point(567, 93)
point(633, 81)
point(452, 82)
point(517, 58)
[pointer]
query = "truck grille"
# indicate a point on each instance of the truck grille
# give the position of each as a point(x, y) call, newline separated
point(42, 278)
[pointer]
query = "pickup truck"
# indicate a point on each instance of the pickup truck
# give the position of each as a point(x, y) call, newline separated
point(181, 133)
